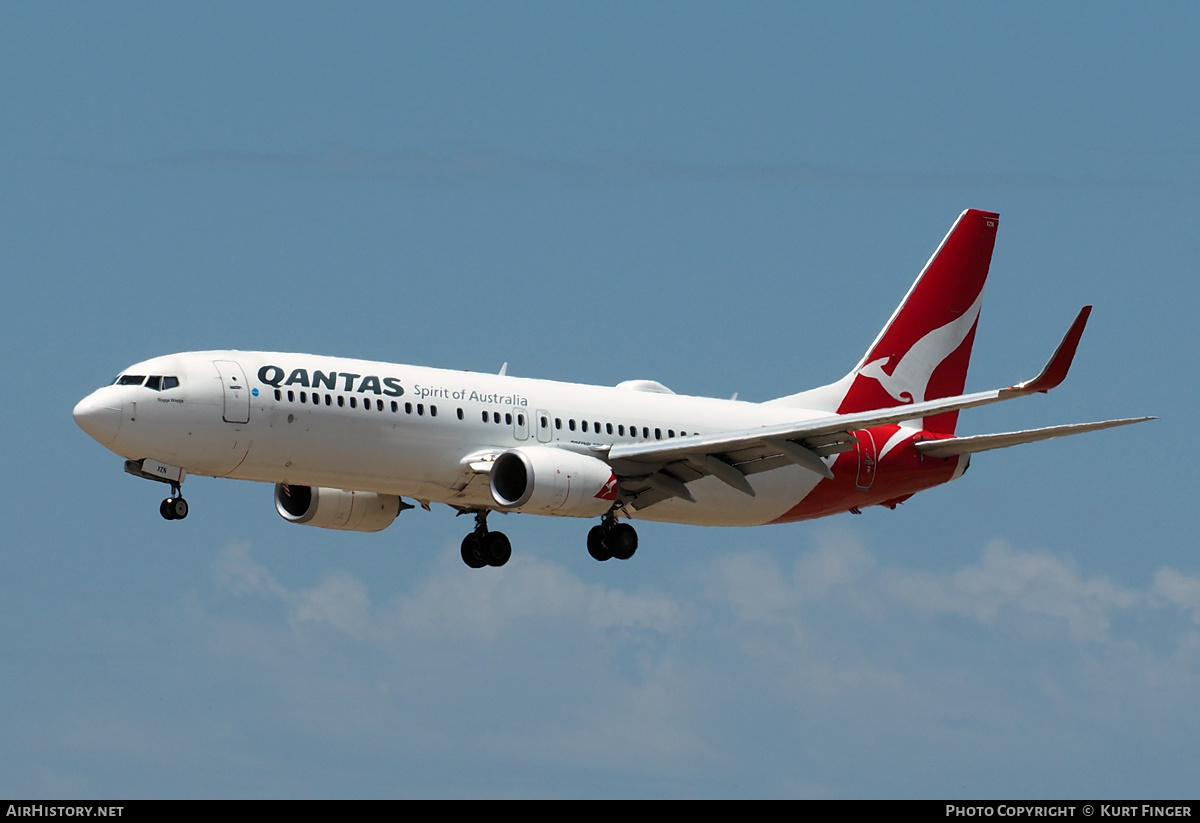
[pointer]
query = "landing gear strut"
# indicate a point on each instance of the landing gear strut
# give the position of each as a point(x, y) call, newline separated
point(174, 507)
point(485, 548)
point(612, 539)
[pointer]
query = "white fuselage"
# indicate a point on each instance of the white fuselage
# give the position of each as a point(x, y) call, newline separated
point(411, 431)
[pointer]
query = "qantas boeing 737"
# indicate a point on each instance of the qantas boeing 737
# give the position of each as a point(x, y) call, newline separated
point(346, 441)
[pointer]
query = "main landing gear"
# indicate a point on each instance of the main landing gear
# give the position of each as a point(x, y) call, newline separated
point(485, 548)
point(612, 539)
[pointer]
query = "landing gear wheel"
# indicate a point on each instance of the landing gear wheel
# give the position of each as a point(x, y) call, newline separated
point(173, 508)
point(622, 541)
point(596, 545)
point(472, 551)
point(484, 548)
point(496, 548)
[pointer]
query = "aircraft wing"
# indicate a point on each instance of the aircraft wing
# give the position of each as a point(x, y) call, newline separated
point(654, 471)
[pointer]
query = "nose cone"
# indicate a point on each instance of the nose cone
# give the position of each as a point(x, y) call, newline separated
point(99, 414)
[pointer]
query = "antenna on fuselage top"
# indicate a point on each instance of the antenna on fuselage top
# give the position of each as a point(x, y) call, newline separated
point(504, 368)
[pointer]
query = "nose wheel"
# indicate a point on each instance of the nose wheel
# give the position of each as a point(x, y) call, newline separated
point(173, 508)
point(485, 548)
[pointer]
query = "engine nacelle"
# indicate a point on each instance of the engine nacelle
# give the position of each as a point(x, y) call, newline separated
point(546, 480)
point(336, 508)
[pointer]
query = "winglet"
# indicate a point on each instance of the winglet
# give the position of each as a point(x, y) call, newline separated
point(1060, 362)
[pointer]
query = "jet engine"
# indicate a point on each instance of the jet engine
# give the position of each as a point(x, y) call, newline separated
point(547, 480)
point(336, 508)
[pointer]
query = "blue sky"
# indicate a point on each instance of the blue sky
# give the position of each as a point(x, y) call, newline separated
point(720, 197)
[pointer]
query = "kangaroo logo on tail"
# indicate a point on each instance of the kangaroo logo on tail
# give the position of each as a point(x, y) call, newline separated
point(925, 348)
point(909, 379)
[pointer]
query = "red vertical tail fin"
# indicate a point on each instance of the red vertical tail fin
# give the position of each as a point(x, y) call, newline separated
point(925, 348)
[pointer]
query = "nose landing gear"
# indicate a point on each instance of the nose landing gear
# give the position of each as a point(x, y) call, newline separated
point(174, 507)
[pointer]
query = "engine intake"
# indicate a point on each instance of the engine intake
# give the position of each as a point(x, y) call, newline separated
point(336, 508)
point(547, 480)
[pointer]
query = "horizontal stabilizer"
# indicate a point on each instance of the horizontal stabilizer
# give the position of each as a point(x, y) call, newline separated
point(985, 442)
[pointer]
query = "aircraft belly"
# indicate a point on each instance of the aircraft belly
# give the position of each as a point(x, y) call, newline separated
point(718, 504)
point(315, 449)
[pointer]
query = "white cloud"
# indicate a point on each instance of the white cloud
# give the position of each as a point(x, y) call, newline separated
point(452, 602)
point(1179, 590)
point(339, 600)
point(1007, 582)
point(780, 668)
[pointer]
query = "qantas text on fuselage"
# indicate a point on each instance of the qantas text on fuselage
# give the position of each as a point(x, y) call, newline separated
point(347, 443)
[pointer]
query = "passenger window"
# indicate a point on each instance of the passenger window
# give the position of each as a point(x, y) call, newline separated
point(341, 400)
point(658, 434)
point(496, 417)
point(485, 417)
point(670, 432)
point(545, 422)
point(646, 432)
point(353, 403)
point(408, 408)
point(433, 411)
point(303, 397)
point(291, 396)
point(395, 407)
point(378, 405)
point(520, 420)
point(278, 394)
point(571, 424)
point(508, 418)
point(608, 427)
point(621, 429)
point(460, 414)
point(328, 400)
point(558, 423)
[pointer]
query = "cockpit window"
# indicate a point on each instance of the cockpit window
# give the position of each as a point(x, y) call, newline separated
point(160, 382)
point(155, 382)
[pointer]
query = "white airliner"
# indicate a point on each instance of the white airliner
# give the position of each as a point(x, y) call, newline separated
point(345, 441)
